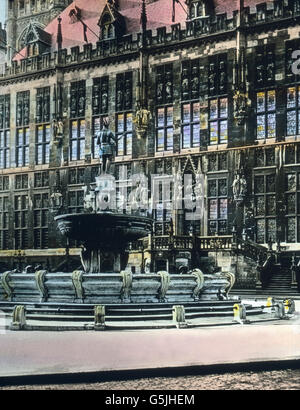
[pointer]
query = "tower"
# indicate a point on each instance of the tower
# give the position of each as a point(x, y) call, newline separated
point(22, 13)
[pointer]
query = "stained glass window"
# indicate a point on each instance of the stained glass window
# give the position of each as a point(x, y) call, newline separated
point(164, 129)
point(271, 205)
point(217, 206)
point(164, 84)
point(77, 140)
point(42, 144)
point(21, 221)
point(260, 230)
point(22, 147)
point(124, 134)
point(43, 105)
point(291, 230)
point(40, 220)
point(22, 108)
point(4, 149)
point(266, 114)
point(292, 206)
point(191, 125)
point(4, 222)
point(271, 229)
point(213, 209)
point(218, 124)
point(293, 111)
point(100, 95)
point(77, 99)
point(4, 131)
point(265, 207)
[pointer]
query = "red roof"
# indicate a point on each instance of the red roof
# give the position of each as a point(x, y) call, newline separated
point(159, 13)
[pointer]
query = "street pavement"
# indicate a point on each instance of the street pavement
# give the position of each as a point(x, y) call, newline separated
point(68, 352)
point(45, 353)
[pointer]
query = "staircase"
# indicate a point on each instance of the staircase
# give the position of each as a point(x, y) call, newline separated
point(280, 282)
point(279, 285)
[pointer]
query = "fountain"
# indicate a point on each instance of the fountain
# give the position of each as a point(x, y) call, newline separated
point(105, 278)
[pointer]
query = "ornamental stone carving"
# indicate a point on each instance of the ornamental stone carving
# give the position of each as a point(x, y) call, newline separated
point(200, 282)
point(165, 282)
point(5, 282)
point(77, 283)
point(240, 103)
point(40, 283)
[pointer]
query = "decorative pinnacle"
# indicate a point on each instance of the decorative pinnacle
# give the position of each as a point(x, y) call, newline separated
point(59, 34)
point(143, 21)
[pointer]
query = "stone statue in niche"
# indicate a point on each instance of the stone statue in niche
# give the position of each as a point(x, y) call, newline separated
point(104, 104)
point(58, 130)
point(239, 187)
point(54, 128)
point(56, 201)
point(95, 99)
point(19, 113)
point(119, 99)
point(240, 103)
point(1, 114)
point(185, 87)
point(46, 108)
point(128, 94)
point(81, 104)
point(73, 103)
point(26, 112)
point(7, 114)
point(195, 82)
point(211, 78)
point(159, 89)
point(169, 90)
point(142, 118)
point(39, 109)
point(259, 73)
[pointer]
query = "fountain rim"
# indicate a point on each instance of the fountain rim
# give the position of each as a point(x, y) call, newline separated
point(108, 214)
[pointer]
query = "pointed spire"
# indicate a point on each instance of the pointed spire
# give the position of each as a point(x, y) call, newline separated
point(143, 20)
point(59, 34)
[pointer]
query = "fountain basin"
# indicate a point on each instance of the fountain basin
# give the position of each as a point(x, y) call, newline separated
point(108, 288)
point(105, 230)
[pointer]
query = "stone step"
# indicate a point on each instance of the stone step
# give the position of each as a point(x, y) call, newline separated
point(157, 316)
point(85, 306)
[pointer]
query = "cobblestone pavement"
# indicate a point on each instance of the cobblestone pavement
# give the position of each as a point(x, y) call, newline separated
point(262, 380)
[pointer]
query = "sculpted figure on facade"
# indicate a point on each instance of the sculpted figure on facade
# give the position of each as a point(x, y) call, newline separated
point(239, 187)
